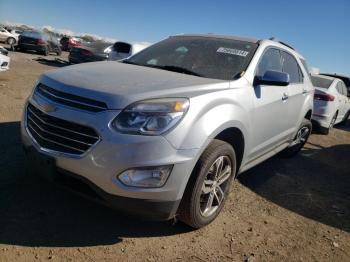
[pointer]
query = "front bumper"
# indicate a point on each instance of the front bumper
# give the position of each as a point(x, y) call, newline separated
point(115, 153)
point(149, 209)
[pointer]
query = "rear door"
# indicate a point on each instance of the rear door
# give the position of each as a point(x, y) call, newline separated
point(296, 90)
point(270, 107)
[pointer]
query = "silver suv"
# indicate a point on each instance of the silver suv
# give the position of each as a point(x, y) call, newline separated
point(163, 133)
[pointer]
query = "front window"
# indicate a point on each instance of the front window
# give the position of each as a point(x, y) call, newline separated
point(207, 57)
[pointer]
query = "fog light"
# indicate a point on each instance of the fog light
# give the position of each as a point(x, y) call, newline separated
point(145, 177)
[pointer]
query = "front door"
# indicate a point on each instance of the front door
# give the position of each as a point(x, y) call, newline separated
point(270, 112)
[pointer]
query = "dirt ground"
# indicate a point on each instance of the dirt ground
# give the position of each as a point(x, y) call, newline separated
point(282, 210)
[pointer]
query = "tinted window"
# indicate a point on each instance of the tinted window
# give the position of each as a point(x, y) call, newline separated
point(271, 60)
point(32, 34)
point(121, 47)
point(339, 88)
point(204, 56)
point(345, 90)
point(319, 81)
point(290, 66)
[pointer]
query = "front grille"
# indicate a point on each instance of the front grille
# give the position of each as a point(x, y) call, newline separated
point(71, 100)
point(58, 134)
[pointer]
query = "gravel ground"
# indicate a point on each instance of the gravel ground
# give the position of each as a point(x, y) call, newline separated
point(282, 210)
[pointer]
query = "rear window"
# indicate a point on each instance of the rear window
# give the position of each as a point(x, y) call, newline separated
point(122, 47)
point(31, 34)
point(321, 82)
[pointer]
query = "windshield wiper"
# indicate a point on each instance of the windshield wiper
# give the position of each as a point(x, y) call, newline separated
point(177, 69)
point(126, 61)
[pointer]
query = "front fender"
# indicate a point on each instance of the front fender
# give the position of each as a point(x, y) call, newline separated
point(208, 116)
point(307, 106)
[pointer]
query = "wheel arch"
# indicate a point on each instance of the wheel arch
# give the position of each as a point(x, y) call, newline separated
point(234, 136)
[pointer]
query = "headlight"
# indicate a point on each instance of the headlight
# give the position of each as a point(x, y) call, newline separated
point(145, 177)
point(151, 117)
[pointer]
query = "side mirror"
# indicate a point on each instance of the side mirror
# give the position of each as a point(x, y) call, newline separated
point(273, 78)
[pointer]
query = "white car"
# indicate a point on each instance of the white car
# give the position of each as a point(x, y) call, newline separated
point(4, 59)
point(331, 102)
point(122, 50)
point(15, 32)
point(7, 37)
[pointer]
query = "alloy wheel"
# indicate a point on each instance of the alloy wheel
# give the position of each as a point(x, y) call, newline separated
point(301, 136)
point(215, 185)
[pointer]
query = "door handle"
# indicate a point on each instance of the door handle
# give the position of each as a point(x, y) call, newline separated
point(285, 97)
point(305, 92)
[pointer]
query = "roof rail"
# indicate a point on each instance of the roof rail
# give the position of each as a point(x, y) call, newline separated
point(282, 43)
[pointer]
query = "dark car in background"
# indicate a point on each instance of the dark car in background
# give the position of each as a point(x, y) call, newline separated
point(89, 53)
point(68, 43)
point(38, 41)
point(346, 79)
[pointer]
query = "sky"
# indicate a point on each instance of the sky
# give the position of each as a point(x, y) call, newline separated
point(319, 30)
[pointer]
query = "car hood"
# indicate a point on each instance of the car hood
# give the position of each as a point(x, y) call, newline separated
point(119, 85)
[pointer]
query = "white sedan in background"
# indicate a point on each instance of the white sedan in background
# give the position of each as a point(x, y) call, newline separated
point(122, 50)
point(4, 59)
point(7, 37)
point(331, 102)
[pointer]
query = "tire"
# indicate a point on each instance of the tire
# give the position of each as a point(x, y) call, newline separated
point(11, 41)
point(193, 209)
point(45, 52)
point(299, 140)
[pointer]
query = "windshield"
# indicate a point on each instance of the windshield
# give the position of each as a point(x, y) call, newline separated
point(208, 57)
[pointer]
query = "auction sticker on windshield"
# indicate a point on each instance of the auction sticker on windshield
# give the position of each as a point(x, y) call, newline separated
point(232, 51)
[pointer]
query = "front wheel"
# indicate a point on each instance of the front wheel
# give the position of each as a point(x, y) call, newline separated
point(11, 41)
point(209, 185)
point(299, 140)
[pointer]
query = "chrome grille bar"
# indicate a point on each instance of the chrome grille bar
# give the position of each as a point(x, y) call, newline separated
point(59, 135)
point(70, 99)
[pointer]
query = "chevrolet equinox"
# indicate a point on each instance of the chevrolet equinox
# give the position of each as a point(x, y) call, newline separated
point(163, 134)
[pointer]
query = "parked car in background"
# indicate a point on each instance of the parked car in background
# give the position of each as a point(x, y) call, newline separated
point(346, 79)
point(122, 50)
point(89, 53)
point(164, 133)
point(331, 102)
point(7, 37)
point(38, 41)
point(68, 42)
point(4, 59)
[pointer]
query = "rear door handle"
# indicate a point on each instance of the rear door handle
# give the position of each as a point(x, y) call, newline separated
point(305, 92)
point(285, 97)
